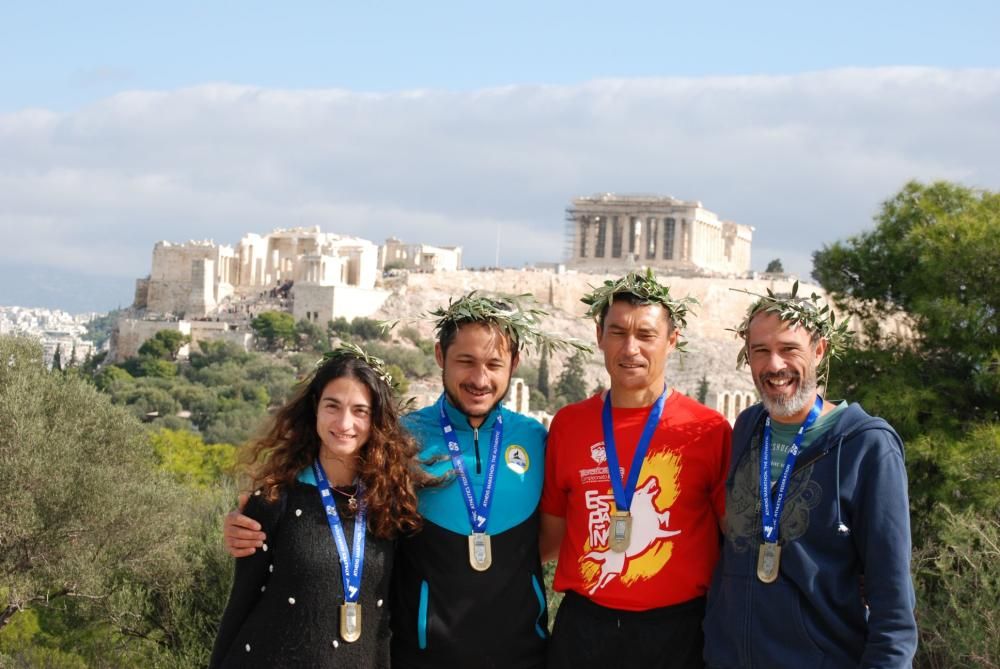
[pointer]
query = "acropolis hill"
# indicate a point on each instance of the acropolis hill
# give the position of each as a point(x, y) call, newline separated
point(711, 352)
point(212, 291)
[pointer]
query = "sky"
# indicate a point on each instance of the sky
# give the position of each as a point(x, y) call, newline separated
point(122, 124)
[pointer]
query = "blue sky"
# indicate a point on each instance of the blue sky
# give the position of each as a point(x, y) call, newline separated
point(59, 55)
point(125, 123)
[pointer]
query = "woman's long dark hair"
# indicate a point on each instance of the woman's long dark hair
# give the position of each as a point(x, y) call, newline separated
point(387, 465)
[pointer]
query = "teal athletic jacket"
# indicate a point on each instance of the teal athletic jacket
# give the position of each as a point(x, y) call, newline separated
point(446, 614)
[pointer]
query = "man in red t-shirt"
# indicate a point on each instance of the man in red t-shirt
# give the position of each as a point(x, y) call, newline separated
point(637, 536)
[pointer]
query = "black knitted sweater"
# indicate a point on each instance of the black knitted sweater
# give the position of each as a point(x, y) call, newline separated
point(284, 609)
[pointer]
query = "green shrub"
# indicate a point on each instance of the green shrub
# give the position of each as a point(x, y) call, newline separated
point(957, 577)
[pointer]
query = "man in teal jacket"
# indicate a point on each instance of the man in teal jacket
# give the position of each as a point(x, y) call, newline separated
point(468, 587)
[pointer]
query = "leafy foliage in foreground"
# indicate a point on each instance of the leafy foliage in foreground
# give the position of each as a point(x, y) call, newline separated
point(107, 559)
point(932, 263)
point(925, 287)
point(958, 587)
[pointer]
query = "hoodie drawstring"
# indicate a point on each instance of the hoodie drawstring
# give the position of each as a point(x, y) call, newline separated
point(842, 529)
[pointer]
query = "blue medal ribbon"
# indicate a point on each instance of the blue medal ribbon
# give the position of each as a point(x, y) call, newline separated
point(772, 515)
point(351, 562)
point(623, 495)
point(479, 513)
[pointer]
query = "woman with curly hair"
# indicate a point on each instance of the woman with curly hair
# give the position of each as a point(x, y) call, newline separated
point(334, 480)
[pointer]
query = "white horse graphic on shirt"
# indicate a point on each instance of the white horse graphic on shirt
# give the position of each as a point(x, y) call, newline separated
point(648, 527)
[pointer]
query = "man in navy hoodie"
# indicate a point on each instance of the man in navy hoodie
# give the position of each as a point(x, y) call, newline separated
point(815, 566)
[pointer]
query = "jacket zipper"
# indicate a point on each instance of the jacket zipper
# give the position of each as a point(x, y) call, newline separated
point(475, 445)
point(755, 531)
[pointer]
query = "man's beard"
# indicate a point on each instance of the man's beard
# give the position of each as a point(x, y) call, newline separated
point(465, 410)
point(784, 406)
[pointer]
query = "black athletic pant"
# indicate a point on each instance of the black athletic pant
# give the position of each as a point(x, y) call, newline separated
point(590, 635)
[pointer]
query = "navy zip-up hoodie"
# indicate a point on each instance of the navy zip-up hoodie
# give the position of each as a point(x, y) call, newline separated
point(844, 596)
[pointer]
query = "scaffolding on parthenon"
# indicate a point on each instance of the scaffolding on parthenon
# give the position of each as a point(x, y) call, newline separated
point(569, 235)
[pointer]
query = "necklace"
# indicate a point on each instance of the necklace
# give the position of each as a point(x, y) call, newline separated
point(352, 500)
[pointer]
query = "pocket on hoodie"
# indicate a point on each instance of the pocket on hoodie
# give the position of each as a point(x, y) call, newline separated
point(782, 631)
point(725, 622)
point(771, 624)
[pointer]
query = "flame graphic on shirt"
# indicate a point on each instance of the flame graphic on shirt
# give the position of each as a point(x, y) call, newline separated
point(651, 545)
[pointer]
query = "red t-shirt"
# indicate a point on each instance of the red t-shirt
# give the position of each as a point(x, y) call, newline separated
point(679, 499)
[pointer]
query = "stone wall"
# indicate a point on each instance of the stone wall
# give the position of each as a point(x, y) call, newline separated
point(320, 304)
point(130, 333)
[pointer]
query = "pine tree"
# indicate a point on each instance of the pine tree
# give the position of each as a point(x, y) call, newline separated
point(703, 389)
point(57, 359)
point(543, 374)
point(572, 386)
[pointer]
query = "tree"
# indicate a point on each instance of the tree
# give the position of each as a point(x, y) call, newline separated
point(219, 351)
point(703, 389)
point(235, 425)
point(924, 287)
point(84, 505)
point(153, 367)
point(164, 345)
point(276, 328)
point(311, 337)
point(572, 386)
point(398, 378)
point(538, 401)
point(57, 359)
point(339, 327)
point(369, 329)
point(109, 549)
point(411, 333)
point(957, 592)
point(415, 363)
point(775, 267)
point(110, 375)
point(543, 374)
point(99, 329)
point(186, 457)
point(932, 263)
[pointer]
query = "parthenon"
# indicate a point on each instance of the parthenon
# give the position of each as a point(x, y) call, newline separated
point(607, 231)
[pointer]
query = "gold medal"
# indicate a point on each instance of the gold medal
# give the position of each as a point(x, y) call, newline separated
point(621, 531)
point(350, 621)
point(767, 562)
point(480, 551)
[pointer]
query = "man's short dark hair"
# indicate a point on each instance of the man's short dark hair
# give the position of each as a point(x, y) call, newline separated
point(449, 330)
point(636, 301)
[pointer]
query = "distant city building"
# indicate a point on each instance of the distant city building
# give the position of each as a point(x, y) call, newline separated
point(55, 329)
point(609, 231)
point(396, 254)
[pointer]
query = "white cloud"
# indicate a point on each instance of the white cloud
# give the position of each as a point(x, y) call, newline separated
point(805, 159)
